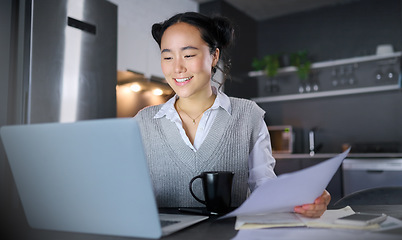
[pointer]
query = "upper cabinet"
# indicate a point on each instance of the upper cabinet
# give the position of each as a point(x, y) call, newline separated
point(332, 78)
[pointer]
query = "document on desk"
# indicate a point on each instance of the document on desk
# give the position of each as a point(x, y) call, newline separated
point(287, 219)
point(286, 191)
point(320, 228)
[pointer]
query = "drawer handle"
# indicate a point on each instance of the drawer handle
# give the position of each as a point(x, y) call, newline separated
point(375, 171)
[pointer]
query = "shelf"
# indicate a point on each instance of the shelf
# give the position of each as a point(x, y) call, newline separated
point(331, 63)
point(326, 93)
point(337, 92)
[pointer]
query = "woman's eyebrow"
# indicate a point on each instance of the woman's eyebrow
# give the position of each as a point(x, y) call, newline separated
point(189, 47)
point(182, 49)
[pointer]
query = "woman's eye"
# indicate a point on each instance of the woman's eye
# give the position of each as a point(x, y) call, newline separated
point(167, 58)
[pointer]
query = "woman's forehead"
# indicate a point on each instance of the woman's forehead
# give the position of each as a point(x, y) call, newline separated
point(181, 35)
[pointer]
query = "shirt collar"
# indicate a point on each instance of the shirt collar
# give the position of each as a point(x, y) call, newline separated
point(221, 100)
point(167, 109)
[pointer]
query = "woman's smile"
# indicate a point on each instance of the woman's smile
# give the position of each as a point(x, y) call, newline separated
point(183, 80)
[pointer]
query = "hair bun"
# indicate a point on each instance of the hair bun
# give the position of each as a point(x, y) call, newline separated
point(157, 32)
point(224, 31)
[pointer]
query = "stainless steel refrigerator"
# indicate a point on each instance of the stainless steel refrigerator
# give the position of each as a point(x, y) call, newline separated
point(57, 64)
point(67, 52)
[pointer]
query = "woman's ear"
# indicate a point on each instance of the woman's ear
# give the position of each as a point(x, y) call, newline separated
point(215, 57)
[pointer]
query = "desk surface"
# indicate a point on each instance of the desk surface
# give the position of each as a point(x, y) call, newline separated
point(17, 228)
point(210, 229)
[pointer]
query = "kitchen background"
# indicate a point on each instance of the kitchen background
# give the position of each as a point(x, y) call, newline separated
point(340, 33)
point(332, 32)
point(329, 33)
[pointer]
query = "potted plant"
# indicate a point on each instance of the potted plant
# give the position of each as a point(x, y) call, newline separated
point(303, 65)
point(269, 63)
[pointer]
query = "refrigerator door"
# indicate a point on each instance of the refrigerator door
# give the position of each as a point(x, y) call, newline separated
point(72, 67)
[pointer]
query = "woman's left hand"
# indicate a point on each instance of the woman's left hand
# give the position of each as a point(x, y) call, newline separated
point(316, 209)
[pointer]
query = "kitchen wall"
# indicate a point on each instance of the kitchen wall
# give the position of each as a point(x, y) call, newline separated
point(137, 50)
point(244, 50)
point(341, 31)
point(336, 32)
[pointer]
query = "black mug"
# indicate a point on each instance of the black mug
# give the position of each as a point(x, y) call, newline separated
point(217, 186)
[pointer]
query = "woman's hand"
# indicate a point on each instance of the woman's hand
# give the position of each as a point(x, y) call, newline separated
point(316, 209)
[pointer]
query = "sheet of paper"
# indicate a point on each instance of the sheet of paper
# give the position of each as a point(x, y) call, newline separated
point(328, 218)
point(286, 191)
point(288, 219)
point(269, 220)
point(275, 220)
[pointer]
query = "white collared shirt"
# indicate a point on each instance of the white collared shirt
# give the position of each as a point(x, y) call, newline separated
point(261, 162)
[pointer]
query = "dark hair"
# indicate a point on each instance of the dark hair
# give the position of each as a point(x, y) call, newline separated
point(217, 32)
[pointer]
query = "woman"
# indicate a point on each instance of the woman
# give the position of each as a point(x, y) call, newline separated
point(200, 128)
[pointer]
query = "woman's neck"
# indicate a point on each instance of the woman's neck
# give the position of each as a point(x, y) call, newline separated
point(191, 109)
point(196, 104)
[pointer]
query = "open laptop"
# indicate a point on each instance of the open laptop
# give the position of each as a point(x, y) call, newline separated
point(89, 176)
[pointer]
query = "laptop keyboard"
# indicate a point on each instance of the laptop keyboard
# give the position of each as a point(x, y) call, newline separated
point(165, 223)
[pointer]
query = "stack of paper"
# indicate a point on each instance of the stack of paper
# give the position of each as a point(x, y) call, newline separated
point(287, 219)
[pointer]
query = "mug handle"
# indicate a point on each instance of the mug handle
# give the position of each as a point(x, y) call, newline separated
point(191, 190)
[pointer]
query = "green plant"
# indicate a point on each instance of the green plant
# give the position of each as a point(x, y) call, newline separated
point(272, 65)
point(301, 62)
point(269, 63)
point(258, 64)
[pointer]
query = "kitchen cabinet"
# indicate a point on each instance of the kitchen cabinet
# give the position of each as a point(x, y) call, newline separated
point(366, 74)
point(363, 173)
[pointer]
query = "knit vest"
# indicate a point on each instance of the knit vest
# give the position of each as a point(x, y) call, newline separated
point(173, 164)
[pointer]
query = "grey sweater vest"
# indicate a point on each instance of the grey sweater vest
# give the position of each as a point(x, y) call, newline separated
point(172, 163)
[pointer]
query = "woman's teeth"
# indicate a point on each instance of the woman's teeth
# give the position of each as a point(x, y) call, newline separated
point(182, 79)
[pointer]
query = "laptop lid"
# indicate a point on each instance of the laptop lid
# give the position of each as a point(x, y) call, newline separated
point(89, 176)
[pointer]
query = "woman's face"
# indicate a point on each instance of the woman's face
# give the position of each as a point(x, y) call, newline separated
point(186, 60)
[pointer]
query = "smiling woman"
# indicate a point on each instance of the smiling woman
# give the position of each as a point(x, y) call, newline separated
point(200, 128)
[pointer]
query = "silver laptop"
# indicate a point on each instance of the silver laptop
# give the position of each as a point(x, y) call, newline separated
point(89, 176)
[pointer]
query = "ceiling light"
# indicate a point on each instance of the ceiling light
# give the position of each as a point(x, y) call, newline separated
point(157, 91)
point(137, 82)
point(135, 87)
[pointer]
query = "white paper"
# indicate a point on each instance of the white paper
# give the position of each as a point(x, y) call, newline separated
point(287, 219)
point(286, 191)
point(309, 232)
point(284, 219)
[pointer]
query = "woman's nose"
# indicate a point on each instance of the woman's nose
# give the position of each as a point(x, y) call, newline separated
point(179, 66)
